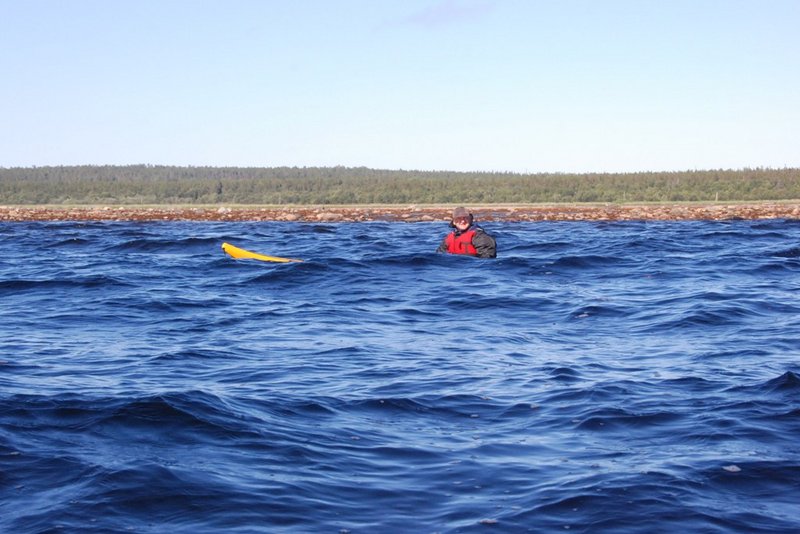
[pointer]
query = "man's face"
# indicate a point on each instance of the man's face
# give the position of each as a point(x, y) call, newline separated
point(462, 223)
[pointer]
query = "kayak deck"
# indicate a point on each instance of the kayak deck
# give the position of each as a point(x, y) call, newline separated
point(242, 254)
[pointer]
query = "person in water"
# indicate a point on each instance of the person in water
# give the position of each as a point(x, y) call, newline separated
point(467, 237)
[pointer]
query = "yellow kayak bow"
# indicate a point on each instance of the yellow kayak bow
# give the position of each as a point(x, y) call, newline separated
point(242, 254)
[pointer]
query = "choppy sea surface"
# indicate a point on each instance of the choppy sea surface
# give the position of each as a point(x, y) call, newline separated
point(596, 377)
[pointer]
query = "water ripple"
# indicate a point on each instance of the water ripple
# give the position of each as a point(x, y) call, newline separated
point(596, 377)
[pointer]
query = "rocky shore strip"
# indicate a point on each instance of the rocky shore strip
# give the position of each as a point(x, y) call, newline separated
point(412, 213)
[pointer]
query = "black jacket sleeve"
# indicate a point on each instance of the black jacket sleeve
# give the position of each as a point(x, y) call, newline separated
point(484, 244)
point(442, 245)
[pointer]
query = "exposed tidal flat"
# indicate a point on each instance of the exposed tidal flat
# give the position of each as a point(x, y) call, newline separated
point(789, 209)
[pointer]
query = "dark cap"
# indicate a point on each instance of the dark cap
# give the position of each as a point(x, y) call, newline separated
point(460, 212)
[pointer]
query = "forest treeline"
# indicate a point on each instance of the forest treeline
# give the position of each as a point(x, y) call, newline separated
point(152, 184)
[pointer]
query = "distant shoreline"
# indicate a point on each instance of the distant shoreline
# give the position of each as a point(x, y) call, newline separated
point(411, 213)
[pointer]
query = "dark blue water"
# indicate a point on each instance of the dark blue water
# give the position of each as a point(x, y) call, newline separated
point(597, 377)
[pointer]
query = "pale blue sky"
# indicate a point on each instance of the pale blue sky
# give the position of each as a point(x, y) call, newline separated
point(485, 85)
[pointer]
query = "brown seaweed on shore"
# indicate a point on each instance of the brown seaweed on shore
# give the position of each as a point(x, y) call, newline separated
point(515, 213)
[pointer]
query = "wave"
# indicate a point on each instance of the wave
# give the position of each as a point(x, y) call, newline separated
point(788, 253)
point(173, 418)
point(50, 284)
point(585, 262)
point(788, 382)
point(159, 244)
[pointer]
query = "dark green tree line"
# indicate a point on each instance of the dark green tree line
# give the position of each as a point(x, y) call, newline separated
point(149, 184)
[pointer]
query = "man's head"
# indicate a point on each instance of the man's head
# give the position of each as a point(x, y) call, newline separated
point(462, 218)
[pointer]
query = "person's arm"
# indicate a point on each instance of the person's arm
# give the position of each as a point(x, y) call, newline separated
point(442, 245)
point(485, 245)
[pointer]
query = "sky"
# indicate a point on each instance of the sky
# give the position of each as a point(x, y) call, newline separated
point(523, 86)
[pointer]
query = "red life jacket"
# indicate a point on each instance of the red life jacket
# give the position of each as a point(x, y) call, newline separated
point(462, 243)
